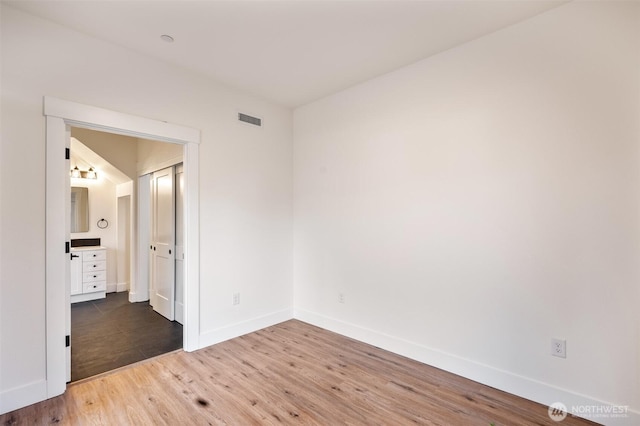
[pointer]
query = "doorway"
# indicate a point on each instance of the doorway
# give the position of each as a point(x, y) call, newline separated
point(60, 115)
point(110, 326)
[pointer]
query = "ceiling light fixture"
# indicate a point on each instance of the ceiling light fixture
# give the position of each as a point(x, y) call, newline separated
point(167, 38)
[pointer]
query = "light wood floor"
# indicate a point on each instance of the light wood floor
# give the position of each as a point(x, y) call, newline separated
point(291, 373)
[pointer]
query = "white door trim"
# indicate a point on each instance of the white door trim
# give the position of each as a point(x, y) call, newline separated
point(60, 114)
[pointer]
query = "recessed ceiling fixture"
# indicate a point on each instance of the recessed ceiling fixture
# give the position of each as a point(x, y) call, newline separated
point(167, 38)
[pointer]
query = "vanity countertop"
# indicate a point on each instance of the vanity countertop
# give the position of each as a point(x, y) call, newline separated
point(87, 248)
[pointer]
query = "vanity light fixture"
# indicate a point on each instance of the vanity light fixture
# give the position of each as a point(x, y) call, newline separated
point(81, 174)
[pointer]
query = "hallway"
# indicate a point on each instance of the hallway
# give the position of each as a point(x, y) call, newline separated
point(110, 333)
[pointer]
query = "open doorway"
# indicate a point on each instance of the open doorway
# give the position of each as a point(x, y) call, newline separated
point(118, 318)
point(60, 116)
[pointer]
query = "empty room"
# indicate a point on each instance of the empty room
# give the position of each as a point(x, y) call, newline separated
point(389, 212)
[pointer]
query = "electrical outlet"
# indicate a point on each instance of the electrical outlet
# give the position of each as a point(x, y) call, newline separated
point(236, 298)
point(559, 348)
point(341, 297)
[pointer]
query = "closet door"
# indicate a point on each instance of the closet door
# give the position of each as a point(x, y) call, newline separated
point(162, 253)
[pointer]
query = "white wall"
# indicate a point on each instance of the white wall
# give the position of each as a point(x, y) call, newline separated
point(245, 181)
point(474, 205)
point(123, 255)
point(102, 205)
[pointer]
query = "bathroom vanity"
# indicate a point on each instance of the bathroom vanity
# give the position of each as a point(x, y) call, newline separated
point(88, 273)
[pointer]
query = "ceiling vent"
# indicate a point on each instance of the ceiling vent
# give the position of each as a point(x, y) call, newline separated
point(249, 119)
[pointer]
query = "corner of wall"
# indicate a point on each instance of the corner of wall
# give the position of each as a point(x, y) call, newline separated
point(241, 328)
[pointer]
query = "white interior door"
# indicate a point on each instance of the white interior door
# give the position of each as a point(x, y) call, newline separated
point(163, 243)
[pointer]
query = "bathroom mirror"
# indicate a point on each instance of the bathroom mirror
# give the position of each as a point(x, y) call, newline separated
point(79, 209)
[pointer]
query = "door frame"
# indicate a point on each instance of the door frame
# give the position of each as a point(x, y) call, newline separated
point(60, 115)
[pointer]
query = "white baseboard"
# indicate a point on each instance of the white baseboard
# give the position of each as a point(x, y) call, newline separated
point(524, 387)
point(136, 297)
point(221, 334)
point(117, 287)
point(22, 396)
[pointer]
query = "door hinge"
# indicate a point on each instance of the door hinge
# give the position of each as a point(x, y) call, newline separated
point(67, 154)
point(67, 341)
point(66, 247)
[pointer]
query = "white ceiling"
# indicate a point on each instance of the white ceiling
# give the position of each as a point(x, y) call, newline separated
point(290, 52)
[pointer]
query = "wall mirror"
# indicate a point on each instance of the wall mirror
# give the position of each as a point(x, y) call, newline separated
point(79, 209)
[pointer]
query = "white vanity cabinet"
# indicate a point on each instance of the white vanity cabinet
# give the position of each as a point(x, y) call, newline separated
point(88, 273)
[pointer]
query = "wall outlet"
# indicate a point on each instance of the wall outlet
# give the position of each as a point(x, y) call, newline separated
point(559, 348)
point(236, 298)
point(341, 297)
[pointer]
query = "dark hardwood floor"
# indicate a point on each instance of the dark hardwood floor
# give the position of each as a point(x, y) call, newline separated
point(110, 333)
point(288, 374)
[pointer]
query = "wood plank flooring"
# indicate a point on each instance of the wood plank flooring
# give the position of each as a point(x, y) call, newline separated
point(291, 373)
point(109, 333)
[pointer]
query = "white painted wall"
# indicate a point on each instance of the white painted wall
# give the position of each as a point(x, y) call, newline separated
point(123, 266)
point(245, 180)
point(102, 204)
point(127, 235)
point(474, 205)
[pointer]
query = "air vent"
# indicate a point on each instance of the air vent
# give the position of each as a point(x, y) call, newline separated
point(249, 119)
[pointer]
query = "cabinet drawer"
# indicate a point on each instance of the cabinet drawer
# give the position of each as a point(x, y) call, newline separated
point(94, 286)
point(99, 265)
point(88, 277)
point(94, 255)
